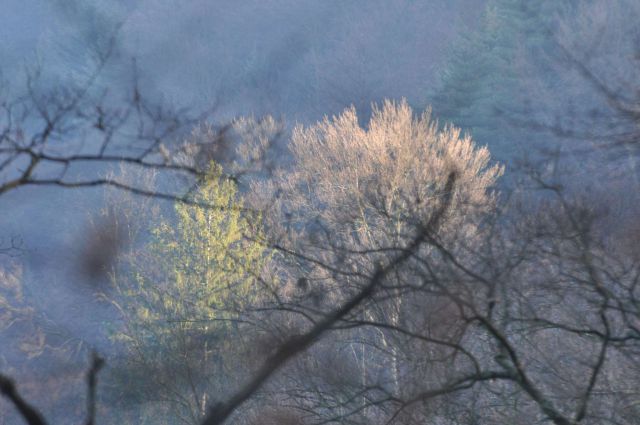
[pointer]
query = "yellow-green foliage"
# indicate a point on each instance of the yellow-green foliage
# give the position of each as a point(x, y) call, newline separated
point(205, 265)
point(17, 314)
point(197, 275)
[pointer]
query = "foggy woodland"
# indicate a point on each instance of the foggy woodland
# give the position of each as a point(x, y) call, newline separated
point(320, 212)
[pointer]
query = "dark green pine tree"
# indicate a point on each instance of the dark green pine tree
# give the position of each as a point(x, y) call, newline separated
point(485, 82)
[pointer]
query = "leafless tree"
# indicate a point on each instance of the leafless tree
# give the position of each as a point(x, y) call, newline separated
point(527, 312)
point(409, 290)
point(69, 135)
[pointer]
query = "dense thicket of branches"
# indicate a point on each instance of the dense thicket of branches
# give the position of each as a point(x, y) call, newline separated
point(378, 274)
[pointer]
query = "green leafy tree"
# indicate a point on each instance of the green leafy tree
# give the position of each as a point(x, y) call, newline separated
point(182, 305)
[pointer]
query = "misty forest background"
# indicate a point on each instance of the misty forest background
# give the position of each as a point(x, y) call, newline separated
point(311, 212)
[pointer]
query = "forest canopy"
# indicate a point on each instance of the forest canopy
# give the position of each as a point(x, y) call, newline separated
point(381, 212)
